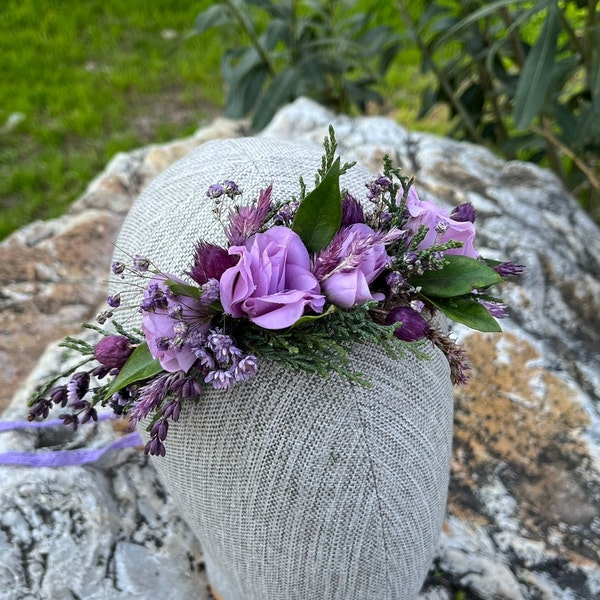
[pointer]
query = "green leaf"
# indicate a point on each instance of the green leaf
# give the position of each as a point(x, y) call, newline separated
point(139, 366)
point(214, 16)
point(535, 77)
point(468, 311)
point(309, 318)
point(595, 72)
point(459, 276)
point(181, 289)
point(320, 214)
point(281, 90)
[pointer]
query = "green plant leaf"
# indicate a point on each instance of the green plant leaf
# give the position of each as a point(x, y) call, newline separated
point(244, 92)
point(459, 276)
point(467, 311)
point(280, 91)
point(139, 366)
point(309, 318)
point(214, 16)
point(535, 78)
point(181, 289)
point(595, 73)
point(319, 215)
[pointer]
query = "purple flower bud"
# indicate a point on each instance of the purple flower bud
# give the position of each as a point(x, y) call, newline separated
point(113, 351)
point(141, 263)
point(78, 387)
point(508, 268)
point(413, 327)
point(160, 429)
point(210, 262)
point(59, 395)
point(231, 188)
point(69, 419)
point(117, 267)
point(114, 301)
point(463, 213)
point(155, 448)
point(352, 211)
point(104, 316)
point(215, 191)
point(90, 414)
point(40, 409)
point(172, 410)
point(395, 280)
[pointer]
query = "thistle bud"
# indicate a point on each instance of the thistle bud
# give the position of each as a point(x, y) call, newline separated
point(113, 351)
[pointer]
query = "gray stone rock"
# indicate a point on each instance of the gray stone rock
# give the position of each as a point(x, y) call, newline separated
point(524, 504)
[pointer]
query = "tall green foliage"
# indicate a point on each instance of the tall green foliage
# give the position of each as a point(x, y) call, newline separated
point(324, 49)
point(523, 76)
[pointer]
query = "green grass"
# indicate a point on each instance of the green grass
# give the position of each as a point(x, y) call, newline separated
point(91, 79)
point(97, 77)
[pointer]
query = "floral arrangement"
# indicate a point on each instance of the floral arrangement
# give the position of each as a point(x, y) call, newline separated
point(300, 282)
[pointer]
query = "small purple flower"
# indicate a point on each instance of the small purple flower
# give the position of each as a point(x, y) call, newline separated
point(220, 379)
point(113, 351)
point(187, 388)
point(246, 368)
point(210, 262)
point(413, 326)
point(463, 213)
point(90, 414)
point(210, 291)
point(104, 316)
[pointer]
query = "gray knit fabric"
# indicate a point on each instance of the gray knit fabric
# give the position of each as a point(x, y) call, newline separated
point(298, 487)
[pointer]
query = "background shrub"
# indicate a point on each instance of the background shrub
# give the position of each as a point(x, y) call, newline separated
point(521, 76)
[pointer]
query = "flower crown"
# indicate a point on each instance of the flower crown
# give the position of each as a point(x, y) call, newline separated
point(301, 281)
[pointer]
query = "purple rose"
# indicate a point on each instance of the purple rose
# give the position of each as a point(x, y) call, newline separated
point(171, 324)
point(272, 283)
point(442, 227)
point(361, 258)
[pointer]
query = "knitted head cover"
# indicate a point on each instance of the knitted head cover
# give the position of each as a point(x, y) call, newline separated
point(298, 487)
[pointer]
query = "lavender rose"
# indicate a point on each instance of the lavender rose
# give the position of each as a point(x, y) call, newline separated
point(361, 257)
point(272, 283)
point(442, 227)
point(169, 323)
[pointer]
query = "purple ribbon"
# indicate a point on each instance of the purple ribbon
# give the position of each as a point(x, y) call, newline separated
point(62, 458)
